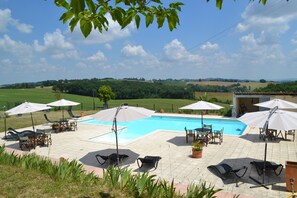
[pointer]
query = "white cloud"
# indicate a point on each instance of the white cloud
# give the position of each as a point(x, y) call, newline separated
point(99, 56)
point(108, 46)
point(136, 50)
point(176, 51)
point(209, 46)
point(6, 20)
point(255, 52)
point(273, 19)
point(55, 45)
point(5, 17)
point(18, 49)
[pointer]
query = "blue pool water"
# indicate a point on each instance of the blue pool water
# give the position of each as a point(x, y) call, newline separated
point(138, 128)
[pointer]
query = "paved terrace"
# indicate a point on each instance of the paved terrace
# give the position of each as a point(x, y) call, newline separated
point(176, 162)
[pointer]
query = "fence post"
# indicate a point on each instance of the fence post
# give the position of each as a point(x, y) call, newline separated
point(154, 107)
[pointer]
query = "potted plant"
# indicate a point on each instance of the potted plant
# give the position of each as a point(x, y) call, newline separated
point(197, 147)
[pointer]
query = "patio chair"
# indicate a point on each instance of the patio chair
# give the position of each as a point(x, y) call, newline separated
point(268, 166)
point(189, 133)
point(218, 134)
point(149, 160)
point(26, 142)
point(203, 137)
point(208, 126)
point(224, 170)
point(112, 158)
point(261, 133)
point(290, 132)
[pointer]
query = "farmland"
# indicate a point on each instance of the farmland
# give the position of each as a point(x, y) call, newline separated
point(250, 85)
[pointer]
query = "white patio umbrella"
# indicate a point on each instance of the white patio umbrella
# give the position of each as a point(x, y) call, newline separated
point(122, 113)
point(272, 119)
point(27, 107)
point(202, 106)
point(279, 120)
point(63, 103)
point(281, 104)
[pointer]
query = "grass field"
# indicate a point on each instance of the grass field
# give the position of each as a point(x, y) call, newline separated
point(11, 97)
point(252, 85)
point(220, 96)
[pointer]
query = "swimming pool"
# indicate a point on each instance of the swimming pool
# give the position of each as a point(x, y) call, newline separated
point(138, 128)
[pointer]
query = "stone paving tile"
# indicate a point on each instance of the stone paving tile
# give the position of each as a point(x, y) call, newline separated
point(176, 162)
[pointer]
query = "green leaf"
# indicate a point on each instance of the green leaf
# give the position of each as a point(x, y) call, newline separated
point(77, 6)
point(137, 20)
point(219, 4)
point(149, 19)
point(160, 21)
point(66, 16)
point(117, 15)
point(171, 22)
point(85, 27)
point(91, 6)
point(73, 23)
point(127, 19)
point(97, 24)
point(263, 2)
point(62, 3)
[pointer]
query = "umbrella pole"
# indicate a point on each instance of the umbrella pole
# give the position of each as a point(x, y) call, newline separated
point(263, 184)
point(32, 122)
point(202, 119)
point(5, 125)
point(117, 143)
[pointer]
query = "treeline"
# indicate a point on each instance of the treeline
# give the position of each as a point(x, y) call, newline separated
point(125, 89)
point(217, 88)
point(138, 89)
point(132, 88)
point(281, 87)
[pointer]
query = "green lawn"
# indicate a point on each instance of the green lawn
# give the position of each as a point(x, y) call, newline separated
point(11, 97)
point(20, 182)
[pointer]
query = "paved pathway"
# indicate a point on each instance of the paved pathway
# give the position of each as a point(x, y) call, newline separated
point(176, 162)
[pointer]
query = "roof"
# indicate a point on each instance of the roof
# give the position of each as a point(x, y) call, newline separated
point(266, 93)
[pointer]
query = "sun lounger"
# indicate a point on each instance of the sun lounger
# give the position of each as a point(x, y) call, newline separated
point(277, 168)
point(50, 121)
point(224, 170)
point(71, 114)
point(112, 158)
point(150, 160)
point(14, 134)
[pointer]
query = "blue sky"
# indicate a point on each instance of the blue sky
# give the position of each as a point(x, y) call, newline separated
point(243, 40)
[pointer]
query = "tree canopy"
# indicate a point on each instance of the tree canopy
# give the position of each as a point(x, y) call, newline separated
point(91, 14)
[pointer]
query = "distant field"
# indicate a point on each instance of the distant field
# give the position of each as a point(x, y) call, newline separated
point(12, 97)
point(253, 85)
point(220, 96)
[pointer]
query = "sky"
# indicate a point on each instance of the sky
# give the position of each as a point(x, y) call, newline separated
point(244, 40)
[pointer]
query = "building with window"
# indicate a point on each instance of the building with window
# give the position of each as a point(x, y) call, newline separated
point(243, 102)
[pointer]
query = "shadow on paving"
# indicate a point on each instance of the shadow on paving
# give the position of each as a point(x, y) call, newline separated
point(90, 159)
point(180, 141)
point(255, 138)
point(237, 163)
